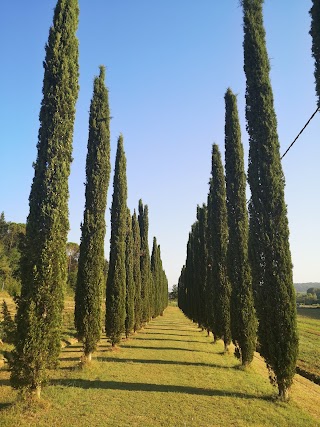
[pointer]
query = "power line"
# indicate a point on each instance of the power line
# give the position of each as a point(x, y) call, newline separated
point(318, 109)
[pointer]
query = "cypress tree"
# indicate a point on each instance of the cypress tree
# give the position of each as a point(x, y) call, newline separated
point(44, 261)
point(156, 278)
point(130, 284)
point(90, 279)
point(136, 273)
point(243, 318)
point(268, 232)
point(315, 33)
point(116, 282)
point(202, 267)
point(145, 265)
point(217, 222)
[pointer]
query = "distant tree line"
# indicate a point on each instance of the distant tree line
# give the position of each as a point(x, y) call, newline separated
point(11, 241)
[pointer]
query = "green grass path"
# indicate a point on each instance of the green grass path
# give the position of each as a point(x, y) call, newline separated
point(169, 374)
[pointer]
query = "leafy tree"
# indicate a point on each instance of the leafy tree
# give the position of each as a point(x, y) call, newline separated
point(269, 232)
point(116, 282)
point(130, 282)
point(11, 239)
point(136, 273)
point(145, 266)
point(315, 33)
point(243, 317)
point(173, 295)
point(90, 279)
point(44, 263)
point(5, 270)
point(73, 252)
point(217, 223)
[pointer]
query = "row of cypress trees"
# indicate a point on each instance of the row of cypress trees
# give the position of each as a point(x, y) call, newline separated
point(215, 286)
point(246, 286)
point(136, 286)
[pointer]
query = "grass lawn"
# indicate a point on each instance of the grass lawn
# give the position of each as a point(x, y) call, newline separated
point(169, 374)
point(309, 342)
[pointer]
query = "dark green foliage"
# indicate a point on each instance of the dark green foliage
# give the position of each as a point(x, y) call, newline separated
point(73, 252)
point(160, 288)
point(189, 280)
point(156, 279)
point(173, 295)
point(164, 286)
point(136, 272)
point(90, 279)
point(116, 282)
point(217, 224)
point(243, 318)
point(145, 266)
point(8, 325)
point(269, 232)
point(11, 240)
point(202, 251)
point(44, 261)
point(130, 283)
point(315, 33)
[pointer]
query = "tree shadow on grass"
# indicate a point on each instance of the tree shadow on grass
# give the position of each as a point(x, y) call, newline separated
point(162, 362)
point(161, 388)
point(5, 382)
point(4, 406)
point(69, 359)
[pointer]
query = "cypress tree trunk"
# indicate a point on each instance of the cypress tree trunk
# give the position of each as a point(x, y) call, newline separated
point(145, 265)
point(243, 317)
point(217, 222)
point(269, 232)
point(130, 284)
point(90, 279)
point(136, 273)
point(315, 33)
point(44, 261)
point(116, 282)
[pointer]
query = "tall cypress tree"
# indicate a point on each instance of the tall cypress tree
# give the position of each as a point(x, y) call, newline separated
point(315, 33)
point(145, 265)
point(203, 262)
point(44, 262)
point(88, 296)
point(130, 283)
point(136, 272)
point(116, 282)
point(156, 278)
point(269, 232)
point(243, 318)
point(217, 222)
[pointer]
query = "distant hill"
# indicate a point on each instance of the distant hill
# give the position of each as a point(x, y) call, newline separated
point(303, 287)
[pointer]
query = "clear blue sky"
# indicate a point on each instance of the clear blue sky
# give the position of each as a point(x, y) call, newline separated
point(169, 64)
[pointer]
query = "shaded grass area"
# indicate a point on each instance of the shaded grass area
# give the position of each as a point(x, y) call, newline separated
point(169, 374)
